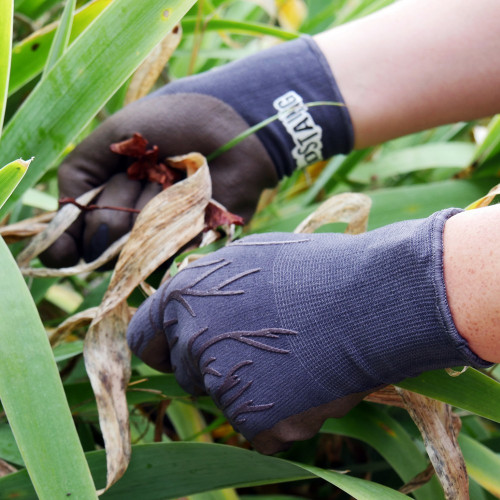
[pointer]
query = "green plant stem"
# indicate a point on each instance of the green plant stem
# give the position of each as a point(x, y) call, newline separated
point(255, 128)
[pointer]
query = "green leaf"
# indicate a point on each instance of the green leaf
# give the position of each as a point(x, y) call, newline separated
point(469, 391)
point(173, 470)
point(6, 16)
point(490, 147)
point(453, 156)
point(61, 38)
point(370, 424)
point(50, 119)
point(29, 56)
point(483, 465)
point(32, 394)
point(10, 177)
point(8, 447)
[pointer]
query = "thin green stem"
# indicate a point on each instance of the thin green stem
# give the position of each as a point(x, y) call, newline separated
point(255, 128)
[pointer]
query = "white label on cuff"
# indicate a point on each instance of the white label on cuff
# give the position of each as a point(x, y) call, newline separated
point(298, 122)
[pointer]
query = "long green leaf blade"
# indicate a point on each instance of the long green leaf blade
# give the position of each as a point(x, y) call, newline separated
point(10, 177)
point(97, 54)
point(32, 394)
point(6, 16)
point(468, 391)
point(61, 38)
point(482, 463)
point(29, 55)
point(176, 470)
point(370, 424)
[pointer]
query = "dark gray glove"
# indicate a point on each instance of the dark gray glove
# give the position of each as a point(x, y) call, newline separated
point(202, 113)
point(286, 330)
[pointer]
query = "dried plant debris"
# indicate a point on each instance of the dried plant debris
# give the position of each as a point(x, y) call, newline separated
point(352, 208)
point(439, 428)
point(60, 222)
point(168, 222)
point(148, 72)
point(26, 228)
point(216, 215)
point(147, 165)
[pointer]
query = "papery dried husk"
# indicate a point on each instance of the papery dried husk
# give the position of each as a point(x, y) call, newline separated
point(148, 72)
point(59, 223)
point(352, 208)
point(439, 428)
point(168, 222)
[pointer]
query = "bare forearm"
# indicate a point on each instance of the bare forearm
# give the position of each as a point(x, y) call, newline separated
point(415, 65)
point(472, 270)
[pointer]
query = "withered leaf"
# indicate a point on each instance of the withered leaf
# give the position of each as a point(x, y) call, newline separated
point(169, 221)
point(352, 208)
point(216, 215)
point(147, 166)
point(439, 428)
point(148, 72)
point(135, 147)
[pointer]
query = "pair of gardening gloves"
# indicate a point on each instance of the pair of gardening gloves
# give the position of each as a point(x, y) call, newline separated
point(281, 330)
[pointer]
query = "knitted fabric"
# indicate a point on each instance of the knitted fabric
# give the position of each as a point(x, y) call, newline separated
point(275, 325)
point(282, 79)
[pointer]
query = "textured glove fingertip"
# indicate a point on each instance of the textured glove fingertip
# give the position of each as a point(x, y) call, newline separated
point(147, 339)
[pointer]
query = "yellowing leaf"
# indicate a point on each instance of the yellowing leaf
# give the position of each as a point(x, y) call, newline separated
point(291, 13)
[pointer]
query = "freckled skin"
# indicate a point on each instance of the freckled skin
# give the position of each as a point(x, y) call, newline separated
point(471, 270)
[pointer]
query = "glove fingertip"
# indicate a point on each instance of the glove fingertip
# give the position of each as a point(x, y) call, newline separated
point(62, 253)
point(147, 340)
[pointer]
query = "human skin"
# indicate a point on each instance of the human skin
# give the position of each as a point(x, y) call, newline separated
point(418, 64)
point(415, 65)
point(471, 271)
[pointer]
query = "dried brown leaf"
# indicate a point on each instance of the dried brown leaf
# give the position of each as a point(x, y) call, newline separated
point(135, 147)
point(418, 481)
point(352, 208)
point(85, 267)
point(169, 221)
point(147, 166)
point(216, 215)
point(69, 325)
point(107, 361)
point(60, 222)
point(148, 72)
point(439, 428)
point(6, 468)
point(386, 396)
point(26, 228)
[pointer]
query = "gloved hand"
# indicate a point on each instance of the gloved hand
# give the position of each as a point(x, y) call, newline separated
point(285, 330)
point(202, 113)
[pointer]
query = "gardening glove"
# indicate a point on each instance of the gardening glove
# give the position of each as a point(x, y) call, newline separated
point(286, 330)
point(202, 113)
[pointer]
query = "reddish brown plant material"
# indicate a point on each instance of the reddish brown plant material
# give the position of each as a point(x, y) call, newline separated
point(146, 166)
point(216, 215)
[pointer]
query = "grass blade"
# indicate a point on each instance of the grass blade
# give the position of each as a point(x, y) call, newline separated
point(6, 16)
point(10, 177)
point(61, 38)
point(176, 470)
point(32, 394)
point(468, 391)
point(97, 54)
point(29, 55)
